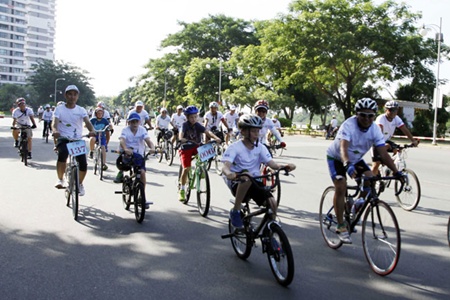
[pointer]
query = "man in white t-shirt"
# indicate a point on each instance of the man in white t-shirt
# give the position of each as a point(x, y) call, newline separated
point(212, 120)
point(177, 121)
point(47, 117)
point(231, 117)
point(23, 116)
point(67, 124)
point(143, 114)
point(162, 123)
point(388, 122)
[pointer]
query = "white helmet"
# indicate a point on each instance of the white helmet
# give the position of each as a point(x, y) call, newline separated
point(250, 121)
point(214, 104)
point(366, 103)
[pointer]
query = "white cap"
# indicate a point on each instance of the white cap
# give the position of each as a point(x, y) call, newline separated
point(232, 107)
point(180, 107)
point(72, 87)
point(139, 103)
point(162, 109)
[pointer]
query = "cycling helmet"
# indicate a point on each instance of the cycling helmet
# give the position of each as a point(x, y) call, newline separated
point(101, 104)
point(20, 101)
point(366, 103)
point(134, 116)
point(250, 121)
point(190, 110)
point(47, 106)
point(261, 104)
point(391, 104)
point(214, 104)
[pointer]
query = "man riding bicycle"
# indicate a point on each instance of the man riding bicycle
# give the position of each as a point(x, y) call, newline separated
point(23, 116)
point(213, 118)
point(261, 107)
point(162, 124)
point(47, 117)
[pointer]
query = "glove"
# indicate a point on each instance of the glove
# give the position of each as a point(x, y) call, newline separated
point(350, 168)
point(283, 145)
point(112, 131)
point(399, 176)
point(34, 126)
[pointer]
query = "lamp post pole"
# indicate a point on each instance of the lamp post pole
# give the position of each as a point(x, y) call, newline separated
point(220, 81)
point(437, 93)
point(56, 83)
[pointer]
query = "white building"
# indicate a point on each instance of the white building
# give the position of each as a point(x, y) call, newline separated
point(27, 34)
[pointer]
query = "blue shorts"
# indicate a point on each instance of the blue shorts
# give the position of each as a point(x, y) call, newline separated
point(138, 160)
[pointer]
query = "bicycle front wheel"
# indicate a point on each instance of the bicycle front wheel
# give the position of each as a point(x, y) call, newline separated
point(139, 202)
point(241, 242)
point(409, 197)
point(218, 158)
point(126, 192)
point(203, 192)
point(169, 153)
point(328, 219)
point(74, 190)
point(24, 152)
point(381, 238)
point(279, 254)
point(100, 163)
point(162, 150)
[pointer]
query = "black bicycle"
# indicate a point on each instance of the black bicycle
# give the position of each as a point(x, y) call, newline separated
point(99, 150)
point(47, 130)
point(165, 146)
point(380, 231)
point(273, 239)
point(23, 143)
point(133, 189)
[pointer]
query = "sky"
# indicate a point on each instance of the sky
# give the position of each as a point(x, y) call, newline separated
point(113, 40)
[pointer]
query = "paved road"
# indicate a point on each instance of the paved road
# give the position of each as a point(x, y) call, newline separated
point(177, 254)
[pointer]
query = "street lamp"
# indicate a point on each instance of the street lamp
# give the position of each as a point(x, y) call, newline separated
point(56, 83)
point(437, 94)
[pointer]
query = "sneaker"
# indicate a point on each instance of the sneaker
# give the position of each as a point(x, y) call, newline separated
point(105, 167)
point(60, 184)
point(91, 154)
point(343, 234)
point(182, 195)
point(81, 190)
point(29, 155)
point(16, 144)
point(236, 220)
point(119, 177)
point(147, 204)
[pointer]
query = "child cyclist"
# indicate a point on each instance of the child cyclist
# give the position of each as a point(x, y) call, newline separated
point(99, 123)
point(132, 143)
point(190, 137)
point(246, 156)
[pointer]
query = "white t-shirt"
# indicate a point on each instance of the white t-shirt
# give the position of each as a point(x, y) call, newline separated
point(213, 120)
point(23, 117)
point(333, 123)
point(231, 119)
point(268, 125)
point(135, 141)
point(388, 126)
point(360, 141)
point(106, 114)
point(162, 123)
point(47, 115)
point(276, 123)
point(178, 120)
point(143, 114)
point(243, 158)
point(70, 123)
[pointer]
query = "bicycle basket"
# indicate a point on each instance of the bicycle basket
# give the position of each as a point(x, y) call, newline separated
point(168, 134)
point(123, 164)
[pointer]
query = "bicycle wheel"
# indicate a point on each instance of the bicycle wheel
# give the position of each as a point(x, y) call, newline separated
point(188, 184)
point(328, 219)
point(381, 238)
point(218, 158)
point(100, 163)
point(279, 254)
point(46, 133)
point(203, 191)
point(96, 162)
point(74, 189)
point(68, 179)
point(448, 231)
point(139, 202)
point(24, 152)
point(409, 197)
point(169, 153)
point(162, 150)
point(126, 192)
point(241, 242)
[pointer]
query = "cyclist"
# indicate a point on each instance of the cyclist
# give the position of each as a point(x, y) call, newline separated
point(47, 116)
point(231, 117)
point(161, 123)
point(261, 107)
point(190, 137)
point(388, 122)
point(67, 123)
point(99, 122)
point(107, 116)
point(332, 127)
point(213, 118)
point(354, 139)
point(177, 121)
point(143, 114)
point(23, 116)
point(40, 111)
point(277, 126)
point(132, 142)
point(246, 156)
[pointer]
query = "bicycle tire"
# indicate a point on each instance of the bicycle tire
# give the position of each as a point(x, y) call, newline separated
point(68, 178)
point(188, 184)
point(409, 197)
point(161, 151)
point(100, 165)
point(381, 238)
point(169, 153)
point(95, 162)
point(328, 219)
point(46, 134)
point(24, 152)
point(240, 241)
point(75, 192)
point(448, 231)
point(139, 202)
point(203, 192)
point(126, 192)
point(218, 158)
point(279, 254)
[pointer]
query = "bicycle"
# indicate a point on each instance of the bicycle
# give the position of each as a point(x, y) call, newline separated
point(274, 147)
point(133, 189)
point(75, 148)
point(409, 196)
point(165, 146)
point(198, 178)
point(23, 143)
point(275, 186)
point(98, 153)
point(219, 149)
point(380, 231)
point(273, 239)
point(46, 130)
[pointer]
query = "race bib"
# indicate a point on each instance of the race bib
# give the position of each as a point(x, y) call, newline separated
point(206, 152)
point(77, 148)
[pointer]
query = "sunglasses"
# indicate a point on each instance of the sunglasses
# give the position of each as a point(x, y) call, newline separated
point(393, 109)
point(366, 115)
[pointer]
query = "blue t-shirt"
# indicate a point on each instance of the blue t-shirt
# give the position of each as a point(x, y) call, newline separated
point(192, 133)
point(100, 124)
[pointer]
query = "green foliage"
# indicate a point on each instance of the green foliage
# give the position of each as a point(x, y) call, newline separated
point(10, 92)
point(285, 122)
point(421, 125)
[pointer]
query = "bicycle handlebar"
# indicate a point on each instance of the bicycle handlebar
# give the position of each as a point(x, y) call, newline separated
point(378, 178)
point(21, 127)
point(255, 182)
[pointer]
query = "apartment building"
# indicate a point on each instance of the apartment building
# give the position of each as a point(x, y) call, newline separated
point(27, 34)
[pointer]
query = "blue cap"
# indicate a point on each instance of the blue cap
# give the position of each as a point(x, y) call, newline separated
point(134, 116)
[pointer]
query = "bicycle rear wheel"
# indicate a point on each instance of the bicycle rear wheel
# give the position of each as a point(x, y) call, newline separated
point(203, 192)
point(328, 219)
point(279, 254)
point(409, 197)
point(218, 158)
point(139, 202)
point(381, 238)
point(46, 133)
point(101, 163)
point(162, 150)
point(126, 192)
point(241, 242)
point(74, 190)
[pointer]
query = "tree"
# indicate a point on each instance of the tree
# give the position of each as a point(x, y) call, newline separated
point(46, 72)
point(10, 92)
